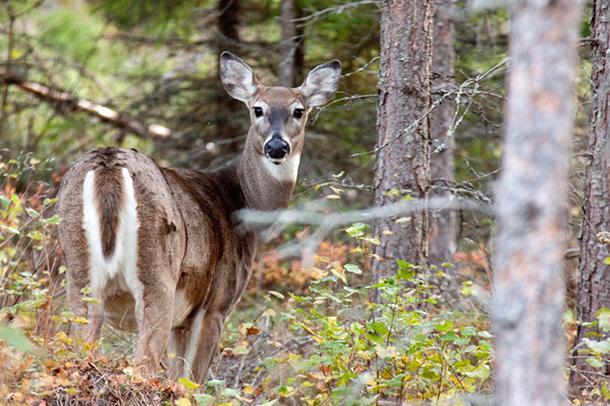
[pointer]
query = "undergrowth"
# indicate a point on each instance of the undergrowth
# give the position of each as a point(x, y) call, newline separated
point(301, 335)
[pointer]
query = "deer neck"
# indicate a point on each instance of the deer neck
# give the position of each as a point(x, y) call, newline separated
point(266, 186)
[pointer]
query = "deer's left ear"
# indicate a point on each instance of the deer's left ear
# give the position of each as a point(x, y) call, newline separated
point(321, 83)
point(237, 77)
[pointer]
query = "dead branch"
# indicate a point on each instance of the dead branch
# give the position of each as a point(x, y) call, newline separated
point(315, 217)
point(313, 214)
point(70, 102)
point(315, 16)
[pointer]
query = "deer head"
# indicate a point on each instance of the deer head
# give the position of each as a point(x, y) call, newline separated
point(278, 114)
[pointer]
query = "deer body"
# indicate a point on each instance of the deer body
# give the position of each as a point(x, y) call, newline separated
point(159, 248)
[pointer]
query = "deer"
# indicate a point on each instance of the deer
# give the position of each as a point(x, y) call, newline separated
point(159, 249)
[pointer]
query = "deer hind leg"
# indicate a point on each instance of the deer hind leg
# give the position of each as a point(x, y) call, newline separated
point(77, 261)
point(204, 334)
point(154, 323)
point(176, 351)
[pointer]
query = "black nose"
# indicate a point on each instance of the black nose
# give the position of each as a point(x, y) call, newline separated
point(276, 147)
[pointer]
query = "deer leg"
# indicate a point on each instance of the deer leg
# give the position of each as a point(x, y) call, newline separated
point(154, 324)
point(177, 348)
point(202, 343)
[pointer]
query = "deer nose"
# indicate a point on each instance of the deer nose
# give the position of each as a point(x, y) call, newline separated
point(276, 147)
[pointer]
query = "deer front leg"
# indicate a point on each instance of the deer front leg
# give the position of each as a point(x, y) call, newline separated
point(202, 343)
point(154, 325)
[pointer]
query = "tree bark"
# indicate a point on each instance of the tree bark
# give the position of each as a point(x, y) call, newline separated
point(594, 275)
point(288, 44)
point(402, 165)
point(531, 204)
point(442, 234)
point(227, 107)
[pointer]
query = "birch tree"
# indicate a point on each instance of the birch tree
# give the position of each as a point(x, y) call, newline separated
point(531, 199)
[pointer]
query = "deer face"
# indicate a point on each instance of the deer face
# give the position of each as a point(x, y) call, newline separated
point(278, 114)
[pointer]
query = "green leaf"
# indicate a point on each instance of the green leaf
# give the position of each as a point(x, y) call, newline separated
point(203, 399)
point(451, 337)
point(215, 382)
point(595, 362)
point(230, 392)
point(276, 294)
point(481, 372)
point(356, 230)
point(49, 202)
point(5, 201)
point(353, 269)
point(601, 347)
point(12, 230)
point(445, 326)
point(31, 212)
point(15, 338)
point(53, 220)
point(603, 319)
point(607, 261)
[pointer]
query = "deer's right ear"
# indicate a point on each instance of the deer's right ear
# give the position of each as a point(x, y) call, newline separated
point(237, 77)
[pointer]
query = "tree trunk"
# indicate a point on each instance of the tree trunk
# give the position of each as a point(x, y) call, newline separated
point(442, 234)
point(402, 165)
point(288, 44)
point(594, 277)
point(529, 293)
point(227, 107)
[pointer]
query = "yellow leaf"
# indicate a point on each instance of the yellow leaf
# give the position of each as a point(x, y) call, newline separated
point(188, 384)
point(80, 320)
point(182, 402)
point(63, 338)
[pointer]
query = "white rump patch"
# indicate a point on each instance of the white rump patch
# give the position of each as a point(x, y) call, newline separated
point(124, 259)
point(287, 171)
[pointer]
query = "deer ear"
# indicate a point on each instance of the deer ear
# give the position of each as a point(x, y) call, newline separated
point(321, 83)
point(237, 77)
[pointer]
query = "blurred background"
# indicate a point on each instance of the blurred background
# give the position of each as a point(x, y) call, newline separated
point(76, 74)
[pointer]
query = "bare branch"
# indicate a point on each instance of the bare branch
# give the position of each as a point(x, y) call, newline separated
point(315, 217)
point(68, 101)
point(457, 91)
point(313, 214)
point(336, 10)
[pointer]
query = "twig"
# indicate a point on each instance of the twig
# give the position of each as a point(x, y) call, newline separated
point(311, 18)
point(458, 90)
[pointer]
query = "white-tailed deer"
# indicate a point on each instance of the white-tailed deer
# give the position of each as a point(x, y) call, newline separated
point(158, 247)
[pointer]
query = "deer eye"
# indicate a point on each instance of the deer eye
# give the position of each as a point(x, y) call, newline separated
point(258, 111)
point(298, 113)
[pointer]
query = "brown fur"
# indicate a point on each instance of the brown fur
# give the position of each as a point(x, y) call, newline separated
point(109, 199)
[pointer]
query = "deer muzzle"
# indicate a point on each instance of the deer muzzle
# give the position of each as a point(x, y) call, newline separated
point(276, 149)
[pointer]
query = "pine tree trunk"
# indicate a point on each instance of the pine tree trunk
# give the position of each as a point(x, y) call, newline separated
point(228, 30)
point(288, 44)
point(594, 275)
point(442, 234)
point(529, 293)
point(402, 165)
